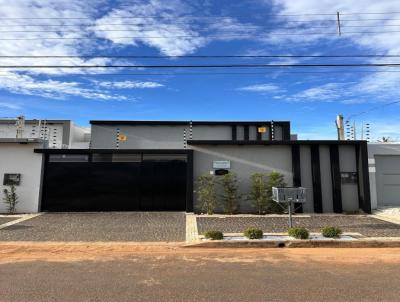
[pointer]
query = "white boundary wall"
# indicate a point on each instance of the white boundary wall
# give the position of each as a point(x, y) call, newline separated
point(20, 158)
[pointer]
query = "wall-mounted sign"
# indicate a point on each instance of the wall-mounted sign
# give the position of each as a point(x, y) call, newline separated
point(349, 177)
point(262, 129)
point(11, 179)
point(122, 138)
point(221, 164)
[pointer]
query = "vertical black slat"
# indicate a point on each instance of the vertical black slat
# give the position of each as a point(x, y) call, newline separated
point(316, 178)
point(259, 134)
point(189, 181)
point(286, 131)
point(42, 193)
point(360, 196)
point(246, 133)
point(234, 132)
point(336, 179)
point(296, 173)
point(366, 205)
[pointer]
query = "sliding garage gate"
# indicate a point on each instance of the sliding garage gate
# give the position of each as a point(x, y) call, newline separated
point(388, 179)
point(145, 181)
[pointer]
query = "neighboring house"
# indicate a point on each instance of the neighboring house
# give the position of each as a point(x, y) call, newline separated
point(18, 139)
point(152, 166)
point(384, 173)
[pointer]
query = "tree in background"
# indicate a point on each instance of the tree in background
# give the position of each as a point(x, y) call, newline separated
point(275, 179)
point(10, 199)
point(206, 193)
point(385, 139)
point(258, 192)
point(230, 196)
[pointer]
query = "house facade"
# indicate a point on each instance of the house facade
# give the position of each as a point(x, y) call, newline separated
point(153, 166)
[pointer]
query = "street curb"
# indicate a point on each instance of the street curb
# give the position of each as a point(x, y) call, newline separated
point(361, 243)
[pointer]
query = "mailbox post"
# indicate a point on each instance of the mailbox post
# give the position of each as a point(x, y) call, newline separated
point(289, 196)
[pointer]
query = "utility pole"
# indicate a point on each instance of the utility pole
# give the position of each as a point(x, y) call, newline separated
point(340, 127)
point(339, 27)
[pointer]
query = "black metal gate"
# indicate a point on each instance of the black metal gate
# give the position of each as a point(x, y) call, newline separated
point(116, 182)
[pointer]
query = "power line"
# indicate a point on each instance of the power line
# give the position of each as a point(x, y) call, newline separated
point(200, 16)
point(219, 73)
point(203, 56)
point(372, 109)
point(199, 36)
point(94, 27)
point(208, 21)
point(162, 28)
point(205, 66)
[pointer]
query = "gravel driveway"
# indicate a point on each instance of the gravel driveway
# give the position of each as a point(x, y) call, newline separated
point(363, 224)
point(107, 226)
point(6, 219)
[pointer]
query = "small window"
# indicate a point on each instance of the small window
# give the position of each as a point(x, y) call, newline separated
point(102, 158)
point(58, 158)
point(164, 157)
point(127, 158)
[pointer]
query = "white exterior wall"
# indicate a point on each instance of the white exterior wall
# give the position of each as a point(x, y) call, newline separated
point(373, 151)
point(20, 158)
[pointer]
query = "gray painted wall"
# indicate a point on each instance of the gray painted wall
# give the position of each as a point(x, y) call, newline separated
point(20, 158)
point(306, 178)
point(326, 179)
point(347, 158)
point(166, 137)
point(245, 160)
point(139, 137)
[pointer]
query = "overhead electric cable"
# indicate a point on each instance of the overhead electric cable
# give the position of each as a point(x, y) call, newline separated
point(204, 56)
point(206, 66)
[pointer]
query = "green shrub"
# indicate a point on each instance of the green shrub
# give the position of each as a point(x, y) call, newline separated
point(299, 233)
point(275, 179)
point(253, 233)
point(214, 235)
point(206, 193)
point(331, 232)
point(10, 199)
point(258, 192)
point(230, 193)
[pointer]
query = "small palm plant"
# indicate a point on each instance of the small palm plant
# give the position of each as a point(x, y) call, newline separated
point(10, 199)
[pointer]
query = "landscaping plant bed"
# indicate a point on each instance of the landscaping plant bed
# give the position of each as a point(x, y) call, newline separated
point(277, 237)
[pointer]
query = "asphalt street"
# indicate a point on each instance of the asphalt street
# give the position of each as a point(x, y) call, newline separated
point(202, 275)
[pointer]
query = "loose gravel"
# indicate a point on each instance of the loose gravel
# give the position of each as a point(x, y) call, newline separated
point(107, 226)
point(4, 220)
point(363, 224)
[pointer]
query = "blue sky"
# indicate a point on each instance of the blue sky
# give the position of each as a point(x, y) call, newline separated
point(309, 98)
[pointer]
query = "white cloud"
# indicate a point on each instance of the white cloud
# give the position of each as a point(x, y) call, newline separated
point(62, 45)
point(323, 93)
point(129, 84)
point(25, 84)
point(162, 27)
point(261, 88)
point(10, 106)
